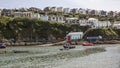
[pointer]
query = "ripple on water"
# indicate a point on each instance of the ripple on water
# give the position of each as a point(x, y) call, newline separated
point(43, 57)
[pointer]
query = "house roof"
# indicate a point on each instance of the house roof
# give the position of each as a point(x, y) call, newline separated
point(93, 19)
point(116, 24)
point(73, 33)
point(72, 18)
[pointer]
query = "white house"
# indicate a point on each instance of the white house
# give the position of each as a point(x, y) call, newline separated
point(52, 18)
point(93, 12)
point(84, 22)
point(66, 10)
point(72, 20)
point(23, 14)
point(101, 24)
point(44, 17)
point(110, 14)
point(102, 13)
point(35, 15)
point(59, 9)
point(94, 23)
point(74, 10)
point(56, 18)
point(53, 9)
point(93, 20)
point(7, 12)
point(116, 25)
point(27, 14)
point(46, 9)
point(74, 36)
point(82, 11)
point(60, 19)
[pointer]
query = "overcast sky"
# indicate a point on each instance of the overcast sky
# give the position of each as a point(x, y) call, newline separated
point(91, 4)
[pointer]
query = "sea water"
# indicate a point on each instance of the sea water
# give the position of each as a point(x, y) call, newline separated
point(40, 57)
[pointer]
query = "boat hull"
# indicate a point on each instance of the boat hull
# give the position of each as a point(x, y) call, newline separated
point(2, 47)
point(87, 44)
point(69, 47)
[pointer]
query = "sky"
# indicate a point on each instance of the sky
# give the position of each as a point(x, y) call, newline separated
point(108, 5)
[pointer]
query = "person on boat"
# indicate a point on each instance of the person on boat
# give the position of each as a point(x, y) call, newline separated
point(67, 45)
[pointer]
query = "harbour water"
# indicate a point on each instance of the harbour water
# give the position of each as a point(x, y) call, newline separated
point(51, 57)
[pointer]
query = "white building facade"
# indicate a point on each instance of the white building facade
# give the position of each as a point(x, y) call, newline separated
point(27, 14)
point(116, 25)
point(35, 15)
point(54, 18)
point(84, 22)
point(53, 9)
point(23, 14)
point(59, 9)
point(82, 11)
point(72, 20)
point(44, 17)
point(66, 10)
point(95, 23)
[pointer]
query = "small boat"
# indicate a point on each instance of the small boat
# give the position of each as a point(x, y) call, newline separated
point(87, 44)
point(69, 47)
point(2, 46)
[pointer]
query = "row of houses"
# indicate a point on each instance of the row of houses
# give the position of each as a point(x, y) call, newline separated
point(8, 12)
point(83, 11)
point(92, 22)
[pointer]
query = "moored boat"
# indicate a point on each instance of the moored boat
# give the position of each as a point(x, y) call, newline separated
point(87, 44)
point(2, 45)
point(69, 47)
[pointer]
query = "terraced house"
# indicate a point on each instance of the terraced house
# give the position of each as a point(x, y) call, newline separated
point(26, 14)
point(54, 18)
point(7, 12)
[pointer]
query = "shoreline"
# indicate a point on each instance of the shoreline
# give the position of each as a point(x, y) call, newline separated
point(59, 43)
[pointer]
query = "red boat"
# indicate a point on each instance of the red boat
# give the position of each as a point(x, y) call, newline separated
point(87, 44)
